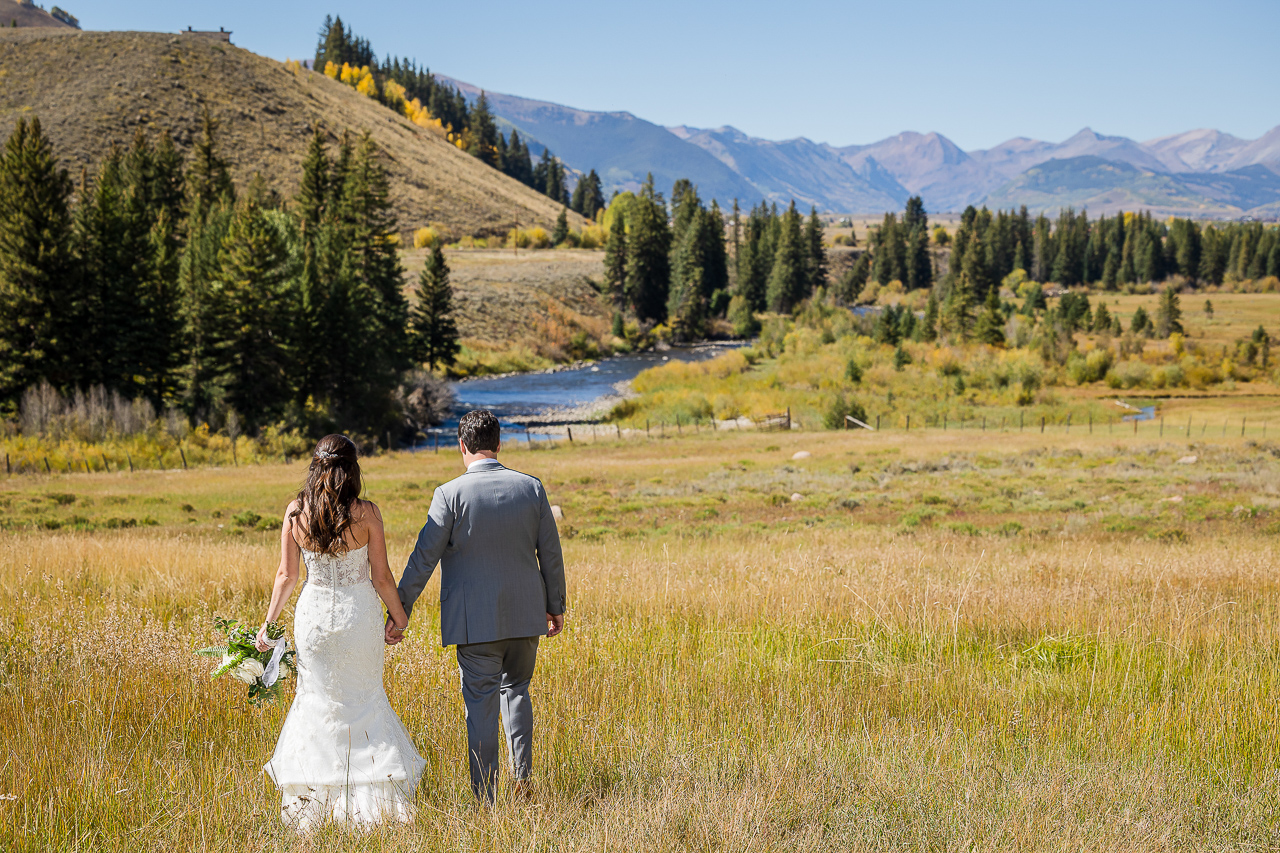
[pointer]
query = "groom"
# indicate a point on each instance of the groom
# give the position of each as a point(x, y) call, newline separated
point(501, 588)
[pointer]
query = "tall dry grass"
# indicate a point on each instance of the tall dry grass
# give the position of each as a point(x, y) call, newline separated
point(730, 688)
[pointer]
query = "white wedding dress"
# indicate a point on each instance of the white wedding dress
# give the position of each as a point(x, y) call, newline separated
point(343, 754)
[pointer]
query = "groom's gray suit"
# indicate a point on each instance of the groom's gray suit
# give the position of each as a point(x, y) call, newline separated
point(501, 573)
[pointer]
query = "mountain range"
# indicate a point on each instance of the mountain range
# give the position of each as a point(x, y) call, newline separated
point(1203, 173)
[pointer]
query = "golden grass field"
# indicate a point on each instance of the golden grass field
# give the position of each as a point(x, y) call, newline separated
point(935, 640)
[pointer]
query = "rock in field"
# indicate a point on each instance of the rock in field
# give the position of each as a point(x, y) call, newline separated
point(801, 454)
point(796, 496)
point(1187, 460)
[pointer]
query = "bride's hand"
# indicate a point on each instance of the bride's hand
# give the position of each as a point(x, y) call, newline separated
point(260, 643)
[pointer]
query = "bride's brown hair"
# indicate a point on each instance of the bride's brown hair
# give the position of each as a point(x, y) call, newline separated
point(329, 494)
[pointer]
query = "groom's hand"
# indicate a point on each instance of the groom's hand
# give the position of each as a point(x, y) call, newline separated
point(555, 624)
point(391, 633)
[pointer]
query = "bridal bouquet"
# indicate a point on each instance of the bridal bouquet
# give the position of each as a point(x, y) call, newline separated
point(243, 662)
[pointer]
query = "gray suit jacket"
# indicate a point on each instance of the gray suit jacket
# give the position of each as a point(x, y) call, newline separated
point(501, 570)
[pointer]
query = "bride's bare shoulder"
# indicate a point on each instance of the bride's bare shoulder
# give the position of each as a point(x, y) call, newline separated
point(367, 512)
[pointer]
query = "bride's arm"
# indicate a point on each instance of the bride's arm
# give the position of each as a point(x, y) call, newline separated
point(380, 572)
point(286, 575)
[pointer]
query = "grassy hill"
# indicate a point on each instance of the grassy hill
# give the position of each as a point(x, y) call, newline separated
point(92, 90)
point(15, 14)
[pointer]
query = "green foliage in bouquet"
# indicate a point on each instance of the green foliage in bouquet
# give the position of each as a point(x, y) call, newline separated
point(242, 660)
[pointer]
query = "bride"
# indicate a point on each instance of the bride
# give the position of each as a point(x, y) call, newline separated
point(343, 754)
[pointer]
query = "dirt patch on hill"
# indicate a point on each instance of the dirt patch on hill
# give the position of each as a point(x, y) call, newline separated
point(503, 298)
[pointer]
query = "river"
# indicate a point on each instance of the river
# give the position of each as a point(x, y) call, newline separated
point(548, 398)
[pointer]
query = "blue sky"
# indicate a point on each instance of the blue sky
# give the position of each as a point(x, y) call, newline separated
point(839, 72)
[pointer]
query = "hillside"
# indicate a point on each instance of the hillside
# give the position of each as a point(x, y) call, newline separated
point(91, 90)
point(16, 14)
point(1105, 186)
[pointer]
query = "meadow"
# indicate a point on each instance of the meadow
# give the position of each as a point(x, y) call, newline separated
point(933, 640)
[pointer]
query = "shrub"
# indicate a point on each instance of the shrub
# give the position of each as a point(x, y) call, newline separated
point(424, 238)
point(838, 408)
point(1128, 374)
point(1091, 367)
point(539, 238)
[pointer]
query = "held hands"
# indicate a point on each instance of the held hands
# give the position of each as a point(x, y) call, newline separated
point(555, 624)
point(391, 634)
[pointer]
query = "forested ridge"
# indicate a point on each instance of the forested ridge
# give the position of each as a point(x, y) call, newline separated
point(402, 85)
point(154, 279)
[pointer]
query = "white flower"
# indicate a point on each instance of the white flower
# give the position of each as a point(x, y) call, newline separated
point(249, 670)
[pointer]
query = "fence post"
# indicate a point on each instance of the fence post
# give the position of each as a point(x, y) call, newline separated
point(646, 427)
point(160, 461)
point(1189, 429)
point(85, 463)
point(1068, 423)
point(908, 423)
point(713, 422)
point(1020, 420)
point(619, 429)
point(1242, 420)
point(184, 459)
point(47, 469)
point(678, 430)
point(944, 423)
point(1135, 426)
point(569, 430)
point(1042, 423)
point(788, 418)
point(130, 458)
point(105, 466)
point(1162, 426)
point(8, 469)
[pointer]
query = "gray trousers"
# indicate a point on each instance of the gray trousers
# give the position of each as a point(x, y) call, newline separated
point(495, 676)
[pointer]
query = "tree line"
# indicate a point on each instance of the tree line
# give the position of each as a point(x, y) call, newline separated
point(674, 265)
point(1108, 252)
point(156, 279)
point(472, 127)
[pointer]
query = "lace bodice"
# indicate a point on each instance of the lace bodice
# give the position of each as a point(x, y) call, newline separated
point(337, 570)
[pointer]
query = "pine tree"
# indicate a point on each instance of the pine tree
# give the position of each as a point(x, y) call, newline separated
point(919, 264)
point(254, 367)
point(1168, 313)
point(312, 200)
point(484, 133)
point(38, 292)
point(114, 249)
point(561, 232)
point(1101, 319)
point(914, 216)
point(648, 260)
point(433, 331)
point(615, 259)
point(208, 179)
point(592, 196)
point(371, 315)
point(686, 302)
point(928, 329)
point(815, 256)
point(990, 326)
point(786, 279)
point(715, 278)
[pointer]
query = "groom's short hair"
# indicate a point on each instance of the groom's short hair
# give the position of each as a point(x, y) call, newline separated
point(479, 430)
